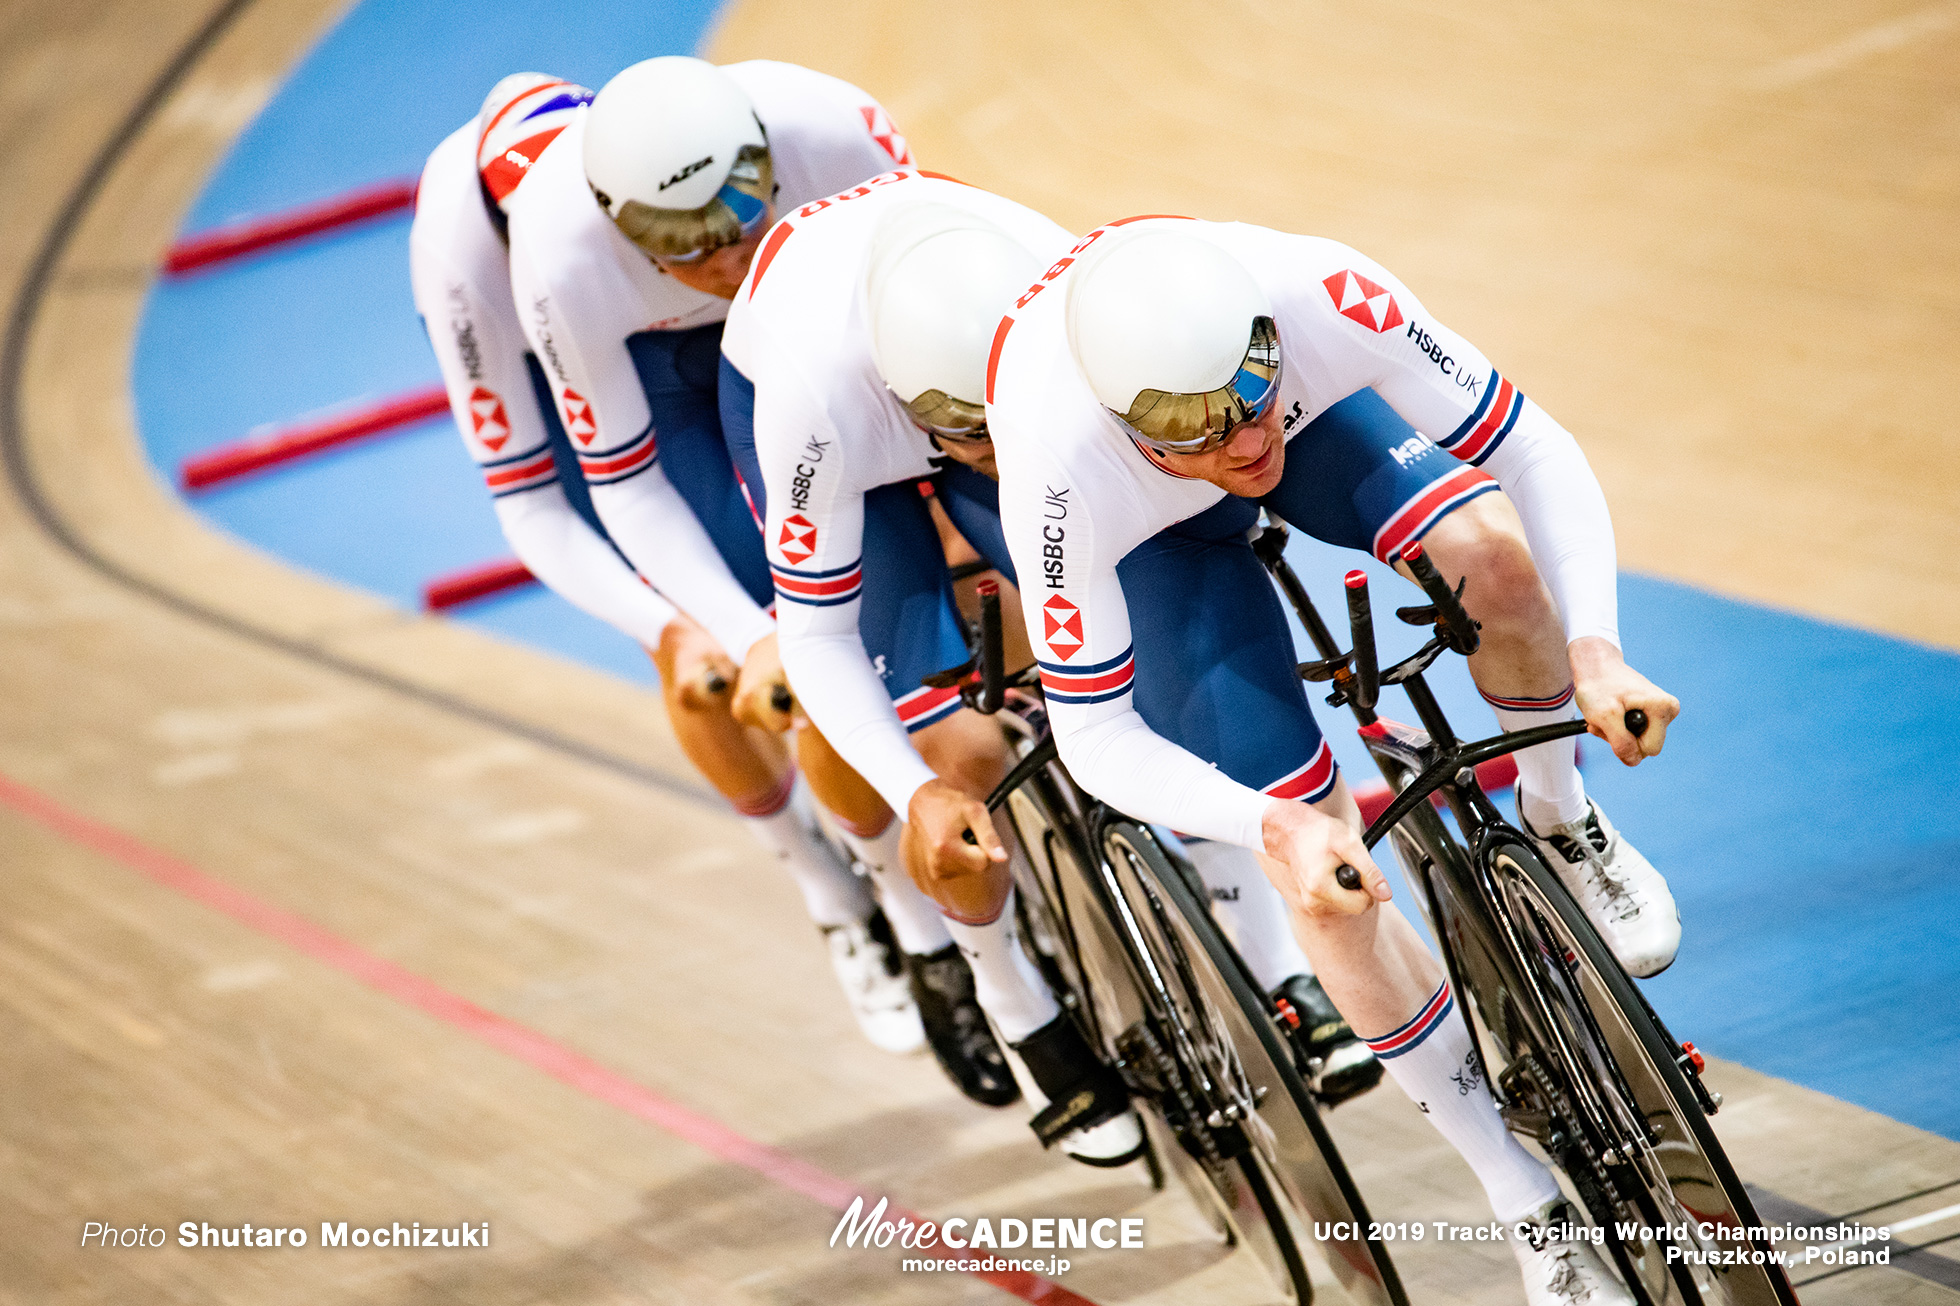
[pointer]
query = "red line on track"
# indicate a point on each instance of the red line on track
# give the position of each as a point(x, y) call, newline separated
point(478, 582)
point(228, 462)
point(526, 1045)
point(222, 244)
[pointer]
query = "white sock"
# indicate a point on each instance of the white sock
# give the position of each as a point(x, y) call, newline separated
point(831, 893)
point(915, 919)
point(1011, 991)
point(1251, 910)
point(1431, 1058)
point(1549, 789)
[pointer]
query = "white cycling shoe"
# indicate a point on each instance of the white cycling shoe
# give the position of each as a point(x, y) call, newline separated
point(1622, 894)
point(1561, 1267)
point(873, 978)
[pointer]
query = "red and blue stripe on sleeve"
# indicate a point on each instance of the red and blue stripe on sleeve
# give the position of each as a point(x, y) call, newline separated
point(1485, 429)
point(1081, 686)
point(819, 589)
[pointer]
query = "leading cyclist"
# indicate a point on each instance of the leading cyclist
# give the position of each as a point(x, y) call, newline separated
point(1151, 392)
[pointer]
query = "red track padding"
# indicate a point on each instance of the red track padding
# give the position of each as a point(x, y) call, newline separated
point(230, 461)
point(476, 583)
point(222, 244)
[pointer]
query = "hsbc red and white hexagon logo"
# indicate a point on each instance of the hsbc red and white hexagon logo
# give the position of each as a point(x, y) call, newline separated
point(1061, 623)
point(578, 416)
point(1361, 300)
point(885, 132)
point(798, 542)
point(487, 420)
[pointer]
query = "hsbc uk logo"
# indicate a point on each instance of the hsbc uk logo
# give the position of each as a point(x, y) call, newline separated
point(578, 416)
point(487, 420)
point(1361, 300)
point(798, 542)
point(1061, 627)
point(885, 132)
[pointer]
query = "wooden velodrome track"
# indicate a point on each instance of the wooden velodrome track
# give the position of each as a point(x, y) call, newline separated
point(1717, 240)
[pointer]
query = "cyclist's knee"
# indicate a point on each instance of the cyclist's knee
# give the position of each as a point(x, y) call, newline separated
point(965, 750)
point(1484, 542)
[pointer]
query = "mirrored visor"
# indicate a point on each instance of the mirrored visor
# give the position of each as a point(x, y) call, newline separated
point(739, 210)
point(1197, 423)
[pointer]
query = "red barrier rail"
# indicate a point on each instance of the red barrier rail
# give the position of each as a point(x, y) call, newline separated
point(1497, 774)
point(228, 462)
point(222, 244)
point(476, 583)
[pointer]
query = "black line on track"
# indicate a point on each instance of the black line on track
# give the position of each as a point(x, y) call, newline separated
point(20, 472)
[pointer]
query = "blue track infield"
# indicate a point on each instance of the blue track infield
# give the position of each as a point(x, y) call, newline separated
point(1803, 810)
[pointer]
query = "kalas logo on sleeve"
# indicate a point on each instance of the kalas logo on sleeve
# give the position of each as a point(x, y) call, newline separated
point(1361, 300)
point(798, 542)
point(1061, 627)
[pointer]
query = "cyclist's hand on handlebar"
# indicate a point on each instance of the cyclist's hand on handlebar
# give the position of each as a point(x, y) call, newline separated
point(762, 694)
point(1608, 690)
point(955, 832)
point(1314, 847)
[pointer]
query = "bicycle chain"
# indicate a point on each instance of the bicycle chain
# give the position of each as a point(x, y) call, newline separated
point(1169, 1076)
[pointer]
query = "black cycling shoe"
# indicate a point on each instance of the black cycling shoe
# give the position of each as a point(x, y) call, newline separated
point(1335, 1064)
point(956, 1028)
point(1088, 1109)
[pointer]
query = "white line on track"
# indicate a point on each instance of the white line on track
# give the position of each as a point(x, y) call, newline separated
point(1859, 46)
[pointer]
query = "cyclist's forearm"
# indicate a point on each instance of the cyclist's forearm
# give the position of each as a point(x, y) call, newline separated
point(1565, 521)
point(1134, 769)
point(551, 539)
point(666, 543)
point(846, 700)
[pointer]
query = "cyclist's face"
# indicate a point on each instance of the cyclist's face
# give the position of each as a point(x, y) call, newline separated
point(1248, 464)
point(720, 273)
point(977, 454)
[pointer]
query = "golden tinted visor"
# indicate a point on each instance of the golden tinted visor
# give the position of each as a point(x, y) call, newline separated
point(737, 211)
point(954, 419)
point(1198, 423)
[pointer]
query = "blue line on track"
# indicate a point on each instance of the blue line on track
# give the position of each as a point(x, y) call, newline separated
point(1803, 811)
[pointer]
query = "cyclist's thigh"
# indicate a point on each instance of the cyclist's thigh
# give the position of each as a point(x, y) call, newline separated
point(972, 501)
point(907, 620)
point(1215, 663)
point(679, 370)
point(735, 396)
point(1361, 477)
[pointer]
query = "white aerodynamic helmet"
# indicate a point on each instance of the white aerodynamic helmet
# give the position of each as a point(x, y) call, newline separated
point(678, 159)
point(936, 284)
point(1174, 337)
point(522, 114)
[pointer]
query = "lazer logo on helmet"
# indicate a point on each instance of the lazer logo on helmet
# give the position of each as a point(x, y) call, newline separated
point(687, 172)
point(799, 485)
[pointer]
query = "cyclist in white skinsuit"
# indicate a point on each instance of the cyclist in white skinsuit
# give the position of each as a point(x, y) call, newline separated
point(1151, 392)
point(632, 232)
point(882, 293)
point(458, 268)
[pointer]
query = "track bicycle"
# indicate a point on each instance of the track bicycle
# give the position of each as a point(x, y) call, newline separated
point(1121, 927)
point(1577, 1059)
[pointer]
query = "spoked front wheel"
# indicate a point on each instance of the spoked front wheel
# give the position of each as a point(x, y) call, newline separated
point(1641, 1144)
point(1252, 1125)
